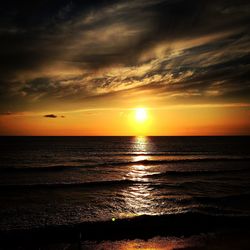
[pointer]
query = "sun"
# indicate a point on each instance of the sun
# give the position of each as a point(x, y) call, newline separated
point(141, 114)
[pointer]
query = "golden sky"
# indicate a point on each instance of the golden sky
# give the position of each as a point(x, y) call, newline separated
point(85, 68)
point(175, 120)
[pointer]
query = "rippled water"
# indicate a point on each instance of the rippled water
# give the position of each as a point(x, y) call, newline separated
point(67, 180)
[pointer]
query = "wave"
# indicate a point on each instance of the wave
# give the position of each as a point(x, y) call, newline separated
point(234, 198)
point(9, 169)
point(146, 153)
point(109, 155)
point(113, 183)
point(98, 184)
point(197, 173)
point(181, 160)
point(222, 204)
point(144, 226)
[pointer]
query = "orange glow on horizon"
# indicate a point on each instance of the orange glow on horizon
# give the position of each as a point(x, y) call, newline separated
point(132, 122)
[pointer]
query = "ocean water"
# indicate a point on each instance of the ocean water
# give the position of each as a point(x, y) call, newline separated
point(68, 180)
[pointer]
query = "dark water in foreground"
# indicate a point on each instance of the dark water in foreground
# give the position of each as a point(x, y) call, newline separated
point(68, 180)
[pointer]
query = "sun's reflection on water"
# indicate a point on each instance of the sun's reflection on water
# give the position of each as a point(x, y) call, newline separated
point(138, 197)
point(140, 158)
point(138, 173)
point(140, 144)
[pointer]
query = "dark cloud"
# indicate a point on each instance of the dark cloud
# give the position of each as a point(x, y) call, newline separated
point(50, 116)
point(57, 51)
point(6, 113)
point(53, 116)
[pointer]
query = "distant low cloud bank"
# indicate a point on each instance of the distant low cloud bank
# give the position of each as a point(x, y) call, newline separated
point(53, 116)
point(50, 116)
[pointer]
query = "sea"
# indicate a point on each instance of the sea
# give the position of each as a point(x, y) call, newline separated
point(48, 181)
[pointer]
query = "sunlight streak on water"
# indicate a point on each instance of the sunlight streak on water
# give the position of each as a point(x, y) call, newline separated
point(139, 198)
point(140, 158)
point(138, 173)
point(140, 144)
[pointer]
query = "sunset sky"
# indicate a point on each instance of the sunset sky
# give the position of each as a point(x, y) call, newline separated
point(86, 67)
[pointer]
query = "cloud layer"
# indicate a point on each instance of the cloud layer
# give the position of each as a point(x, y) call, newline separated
point(67, 52)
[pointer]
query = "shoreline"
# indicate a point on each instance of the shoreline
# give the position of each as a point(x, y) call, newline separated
point(141, 227)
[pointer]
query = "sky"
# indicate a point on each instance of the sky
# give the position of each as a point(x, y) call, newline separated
point(85, 67)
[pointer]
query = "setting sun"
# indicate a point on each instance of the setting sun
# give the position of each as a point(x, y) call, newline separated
point(125, 124)
point(141, 114)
